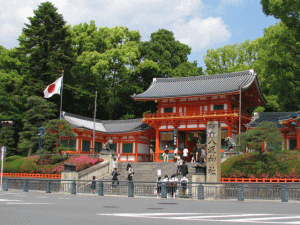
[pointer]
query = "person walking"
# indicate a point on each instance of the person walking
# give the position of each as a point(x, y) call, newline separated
point(185, 153)
point(115, 175)
point(93, 185)
point(184, 169)
point(166, 156)
point(167, 184)
point(158, 187)
point(193, 156)
point(130, 173)
point(178, 164)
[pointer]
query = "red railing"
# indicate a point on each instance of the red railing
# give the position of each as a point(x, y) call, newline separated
point(33, 175)
point(263, 180)
point(214, 113)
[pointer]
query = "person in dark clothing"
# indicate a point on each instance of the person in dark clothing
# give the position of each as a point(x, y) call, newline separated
point(184, 169)
point(159, 180)
point(115, 175)
point(93, 185)
point(128, 165)
point(130, 173)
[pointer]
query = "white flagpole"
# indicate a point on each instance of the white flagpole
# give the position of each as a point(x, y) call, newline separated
point(61, 94)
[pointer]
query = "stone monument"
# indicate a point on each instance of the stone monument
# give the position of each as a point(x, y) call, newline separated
point(213, 164)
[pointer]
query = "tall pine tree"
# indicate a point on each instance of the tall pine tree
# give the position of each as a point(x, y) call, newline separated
point(47, 45)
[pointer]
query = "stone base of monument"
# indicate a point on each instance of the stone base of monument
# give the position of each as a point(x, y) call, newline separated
point(66, 177)
point(107, 156)
point(197, 178)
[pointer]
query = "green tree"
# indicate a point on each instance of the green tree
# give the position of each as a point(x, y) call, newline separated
point(38, 112)
point(277, 66)
point(288, 11)
point(107, 64)
point(56, 129)
point(7, 139)
point(231, 58)
point(168, 53)
point(253, 138)
point(47, 45)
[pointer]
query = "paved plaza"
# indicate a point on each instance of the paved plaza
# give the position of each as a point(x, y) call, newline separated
point(40, 208)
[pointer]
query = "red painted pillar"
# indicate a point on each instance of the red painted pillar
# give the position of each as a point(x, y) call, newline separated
point(136, 148)
point(229, 130)
point(156, 154)
point(79, 143)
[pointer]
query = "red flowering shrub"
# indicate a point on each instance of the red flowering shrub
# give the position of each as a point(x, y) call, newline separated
point(81, 161)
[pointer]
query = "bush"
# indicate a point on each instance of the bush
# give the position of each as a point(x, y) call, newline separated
point(58, 159)
point(12, 158)
point(279, 164)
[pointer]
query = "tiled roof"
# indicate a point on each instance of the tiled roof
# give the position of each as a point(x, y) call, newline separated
point(290, 116)
point(199, 85)
point(267, 117)
point(105, 126)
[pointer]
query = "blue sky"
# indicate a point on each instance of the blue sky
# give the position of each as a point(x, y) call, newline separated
point(201, 24)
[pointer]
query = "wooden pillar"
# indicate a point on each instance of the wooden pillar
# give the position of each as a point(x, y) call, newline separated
point(156, 154)
point(136, 148)
point(79, 143)
point(229, 129)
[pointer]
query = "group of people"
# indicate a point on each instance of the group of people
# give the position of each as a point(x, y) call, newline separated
point(172, 186)
point(196, 154)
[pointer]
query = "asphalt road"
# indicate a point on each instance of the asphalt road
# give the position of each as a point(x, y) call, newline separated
point(39, 208)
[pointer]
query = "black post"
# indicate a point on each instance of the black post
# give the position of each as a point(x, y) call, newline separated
point(100, 191)
point(130, 189)
point(73, 188)
point(5, 188)
point(163, 190)
point(48, 187)
point(25, 186)
point(284, 194)
point(200, 192)
point(240, 193)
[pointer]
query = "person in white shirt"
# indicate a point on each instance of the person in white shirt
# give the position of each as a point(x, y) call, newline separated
point(166, 180)
point(174, 182)
point(185, 153)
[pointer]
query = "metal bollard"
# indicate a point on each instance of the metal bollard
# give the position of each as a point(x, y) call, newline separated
point(73, 188)
point(163, 190)
point(100, 191)
point(25, 186)
point(130, 189)
point(5, 188)
point(284, 194)
point(240, 193)
point(48, 187)
point(200, 192)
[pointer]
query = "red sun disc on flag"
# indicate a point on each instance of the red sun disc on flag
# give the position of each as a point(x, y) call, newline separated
point(51, 88)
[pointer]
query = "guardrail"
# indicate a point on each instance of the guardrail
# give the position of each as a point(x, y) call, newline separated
point(200, 191)
point(263, 180)
point(33, 175)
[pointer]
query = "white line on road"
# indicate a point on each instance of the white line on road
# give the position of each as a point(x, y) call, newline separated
point(212, 217)
point(265, 218)
point(9, 200)
point(26, 203)
point(41, 197)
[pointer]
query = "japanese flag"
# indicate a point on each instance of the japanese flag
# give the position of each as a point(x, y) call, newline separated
point(53, 88)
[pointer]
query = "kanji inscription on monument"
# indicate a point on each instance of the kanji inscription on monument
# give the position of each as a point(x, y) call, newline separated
point(213, 165)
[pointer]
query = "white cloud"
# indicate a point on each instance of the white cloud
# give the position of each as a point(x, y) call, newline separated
point(202, 33)
point(183, 17)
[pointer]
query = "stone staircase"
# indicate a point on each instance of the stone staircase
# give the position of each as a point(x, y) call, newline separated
point(147, 171)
